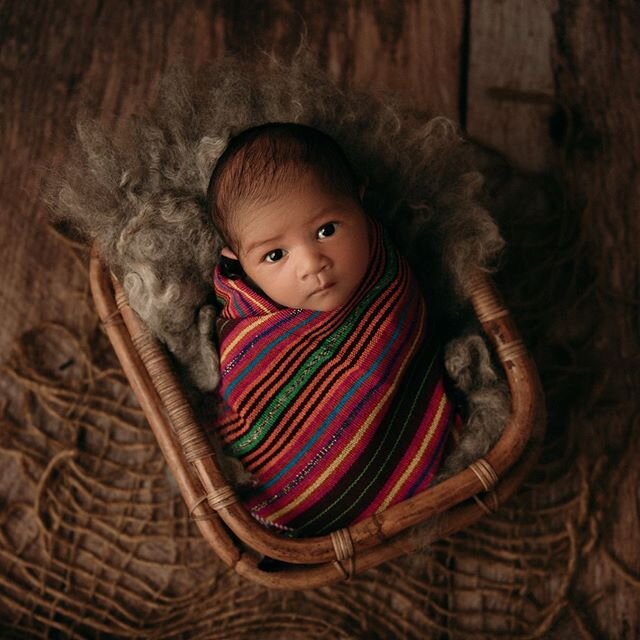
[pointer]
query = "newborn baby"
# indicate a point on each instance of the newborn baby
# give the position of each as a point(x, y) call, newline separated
point(331, 388)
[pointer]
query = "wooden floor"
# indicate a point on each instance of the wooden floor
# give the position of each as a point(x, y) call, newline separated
point(551, 85)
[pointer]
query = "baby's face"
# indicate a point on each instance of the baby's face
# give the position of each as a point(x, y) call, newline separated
point(308, 249)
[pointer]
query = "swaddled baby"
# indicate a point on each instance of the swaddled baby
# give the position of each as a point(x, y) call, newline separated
point(331, 386)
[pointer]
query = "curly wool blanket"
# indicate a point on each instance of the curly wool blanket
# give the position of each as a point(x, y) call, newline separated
point(337, 414)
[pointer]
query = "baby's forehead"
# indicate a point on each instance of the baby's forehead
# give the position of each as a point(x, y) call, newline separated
point(300, 179)
point(303, 202)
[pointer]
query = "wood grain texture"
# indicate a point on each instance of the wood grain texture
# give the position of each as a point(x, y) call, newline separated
point(596, 71)
point(510, 92)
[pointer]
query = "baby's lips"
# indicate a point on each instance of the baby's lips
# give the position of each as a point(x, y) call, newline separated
point(324, 287)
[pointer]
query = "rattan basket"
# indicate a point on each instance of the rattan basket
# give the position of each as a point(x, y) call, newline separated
point(239, 540)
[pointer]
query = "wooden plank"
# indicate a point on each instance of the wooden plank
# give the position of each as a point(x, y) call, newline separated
point(597, 68)
point(410, 49)
point(510, 92)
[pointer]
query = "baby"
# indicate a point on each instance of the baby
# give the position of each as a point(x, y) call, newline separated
point(331, 386)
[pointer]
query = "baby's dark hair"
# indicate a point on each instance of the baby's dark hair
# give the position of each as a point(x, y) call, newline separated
point(260, 161)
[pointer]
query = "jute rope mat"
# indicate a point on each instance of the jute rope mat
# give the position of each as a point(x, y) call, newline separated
point(95, 542)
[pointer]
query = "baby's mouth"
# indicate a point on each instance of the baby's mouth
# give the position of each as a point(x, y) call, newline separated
point(324, 287)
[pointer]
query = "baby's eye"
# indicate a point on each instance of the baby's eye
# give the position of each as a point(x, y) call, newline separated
point(274, 256)
point(326, 230)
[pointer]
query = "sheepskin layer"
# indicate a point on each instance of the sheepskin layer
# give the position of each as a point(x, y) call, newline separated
point(338, 414)
point(140, 192)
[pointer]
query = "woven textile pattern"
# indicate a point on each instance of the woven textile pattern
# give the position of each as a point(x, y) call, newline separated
point(337, 414)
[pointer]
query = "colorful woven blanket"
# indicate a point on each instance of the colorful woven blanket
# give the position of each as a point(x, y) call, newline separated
point(337, 414)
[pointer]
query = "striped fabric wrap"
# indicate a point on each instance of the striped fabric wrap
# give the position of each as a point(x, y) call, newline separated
point(337, 414)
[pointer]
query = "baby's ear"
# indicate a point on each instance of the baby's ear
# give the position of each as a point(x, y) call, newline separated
point(230, 266)
point(227, 253)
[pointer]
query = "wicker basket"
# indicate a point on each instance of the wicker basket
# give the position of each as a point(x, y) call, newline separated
point(239, 540)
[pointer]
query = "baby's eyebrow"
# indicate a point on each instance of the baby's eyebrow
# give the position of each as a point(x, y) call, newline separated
point(332, 208)
point(259, 243)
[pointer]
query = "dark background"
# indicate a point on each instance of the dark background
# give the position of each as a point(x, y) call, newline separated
point(549, 91)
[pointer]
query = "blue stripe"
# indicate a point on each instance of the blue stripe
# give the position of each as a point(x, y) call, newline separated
point(259, 357)
point(234, 300)
point(347, 396)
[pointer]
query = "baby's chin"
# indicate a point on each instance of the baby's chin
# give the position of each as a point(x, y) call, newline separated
point(321, 307)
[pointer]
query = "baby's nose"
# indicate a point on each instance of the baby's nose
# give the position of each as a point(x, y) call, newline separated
point(312, 262)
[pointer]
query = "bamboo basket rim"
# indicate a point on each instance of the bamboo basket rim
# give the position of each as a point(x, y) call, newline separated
point(317, 561)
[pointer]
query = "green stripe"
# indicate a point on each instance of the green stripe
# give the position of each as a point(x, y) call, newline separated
point(325, 351)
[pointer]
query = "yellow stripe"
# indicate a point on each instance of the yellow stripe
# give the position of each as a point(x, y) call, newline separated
point(347, 450)
point(252, 326)
point(256, 300)
point(418, 457)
